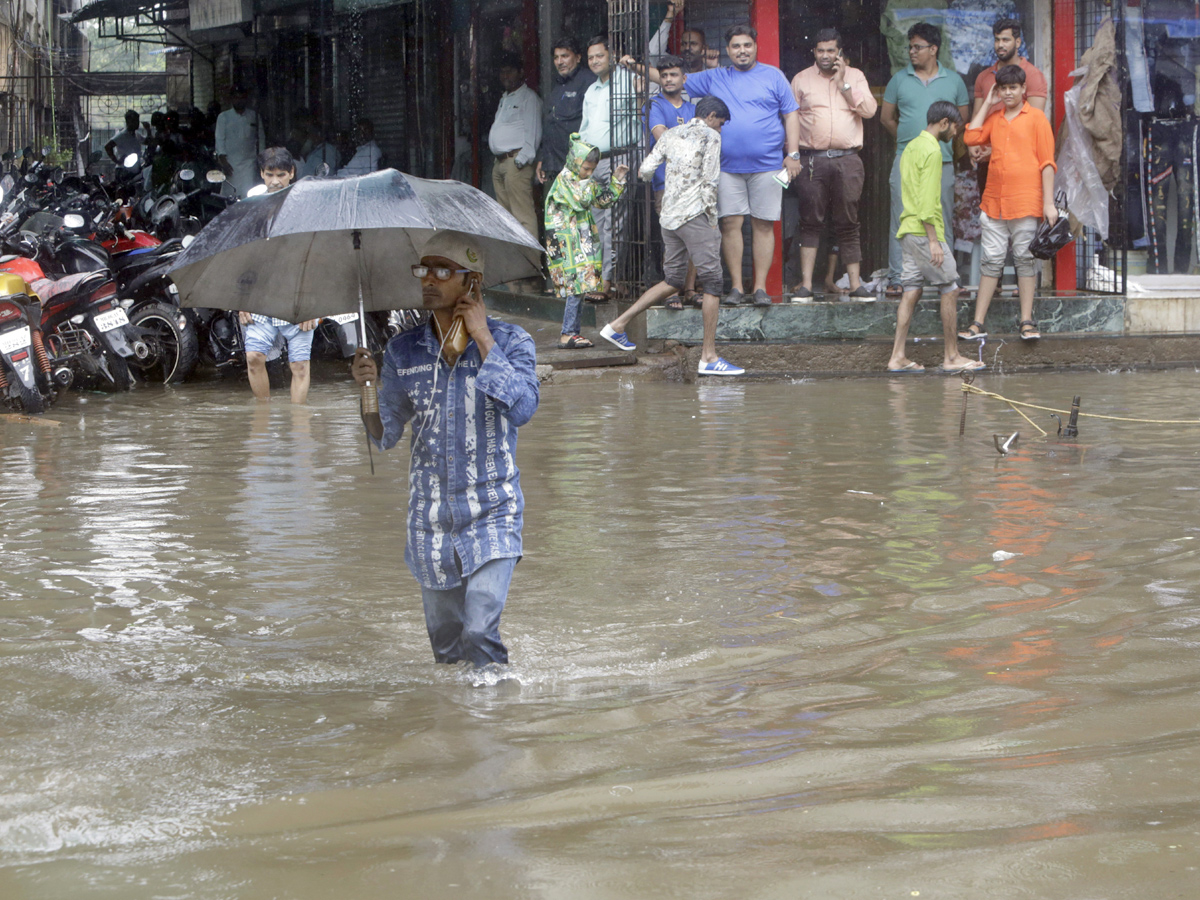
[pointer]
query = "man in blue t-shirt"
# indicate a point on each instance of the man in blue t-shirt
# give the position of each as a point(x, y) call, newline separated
point(764, 122)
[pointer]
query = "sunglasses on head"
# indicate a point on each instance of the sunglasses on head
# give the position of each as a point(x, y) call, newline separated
point(441, 273)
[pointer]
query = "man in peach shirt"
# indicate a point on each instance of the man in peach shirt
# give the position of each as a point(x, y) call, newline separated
point(834, 99)
point(1019, 192)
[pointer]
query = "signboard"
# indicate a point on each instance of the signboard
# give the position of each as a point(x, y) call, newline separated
point(219, 13)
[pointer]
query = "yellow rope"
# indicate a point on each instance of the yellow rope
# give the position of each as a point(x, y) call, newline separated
point(970, 388)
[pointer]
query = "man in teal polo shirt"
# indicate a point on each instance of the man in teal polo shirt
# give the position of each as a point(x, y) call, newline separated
point(906, 100)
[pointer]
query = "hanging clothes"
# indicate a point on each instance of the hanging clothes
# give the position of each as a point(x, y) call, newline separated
point(1170, 151)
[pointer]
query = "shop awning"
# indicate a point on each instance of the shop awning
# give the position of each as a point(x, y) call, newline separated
point(122, 9)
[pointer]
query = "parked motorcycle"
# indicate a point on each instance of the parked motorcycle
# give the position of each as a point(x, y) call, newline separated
point(25, 379)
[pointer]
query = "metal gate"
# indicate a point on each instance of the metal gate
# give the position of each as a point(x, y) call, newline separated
point(629, 34)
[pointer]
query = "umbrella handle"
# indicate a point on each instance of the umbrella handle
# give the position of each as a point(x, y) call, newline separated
point(370, 411)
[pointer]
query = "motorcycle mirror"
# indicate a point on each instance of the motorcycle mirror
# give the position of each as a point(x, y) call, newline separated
point(73, 220)
point(186, 174)
point(45, 151)
point(31, 178)
point(257, 191)
point(131, 160)
point(6, 183)
point(187, 240)
point(214, 176)
point(323, 170)
point(57, 175)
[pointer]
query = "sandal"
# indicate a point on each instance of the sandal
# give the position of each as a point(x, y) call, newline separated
point(575, 342)
point(974, 332)
point(692, 298)
point(674, 303)
point(1029, 330)
point(596, 297)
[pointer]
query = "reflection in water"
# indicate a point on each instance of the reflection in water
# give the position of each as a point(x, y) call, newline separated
point(760, 634)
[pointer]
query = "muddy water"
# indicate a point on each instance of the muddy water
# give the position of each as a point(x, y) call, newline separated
point(762, 648)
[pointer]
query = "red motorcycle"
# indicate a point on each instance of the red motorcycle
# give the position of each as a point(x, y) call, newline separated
point(85, 330)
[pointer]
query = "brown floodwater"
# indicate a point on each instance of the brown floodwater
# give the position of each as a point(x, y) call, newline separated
point(762, 642)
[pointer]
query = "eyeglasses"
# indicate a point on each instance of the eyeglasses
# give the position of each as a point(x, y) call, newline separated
point(917, 48)
point(441, 273)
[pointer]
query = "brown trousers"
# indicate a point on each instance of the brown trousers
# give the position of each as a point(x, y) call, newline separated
point(514, 190)
point(831, 187)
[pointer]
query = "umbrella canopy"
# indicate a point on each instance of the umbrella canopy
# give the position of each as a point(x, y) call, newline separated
point(291, 254)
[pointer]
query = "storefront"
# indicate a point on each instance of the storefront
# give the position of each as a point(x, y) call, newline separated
point(1161, 44)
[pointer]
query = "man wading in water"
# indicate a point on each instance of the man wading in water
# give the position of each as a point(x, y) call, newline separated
point(465, 504)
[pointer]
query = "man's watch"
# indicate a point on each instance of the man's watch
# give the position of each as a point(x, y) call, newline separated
point(795, 154)
point(845, 85)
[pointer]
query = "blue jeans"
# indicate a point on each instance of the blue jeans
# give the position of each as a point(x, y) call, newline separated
point(464, 622)
point(571, 315)
point(895, 254)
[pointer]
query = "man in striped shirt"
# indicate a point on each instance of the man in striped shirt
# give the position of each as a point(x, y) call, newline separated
point(463, 404)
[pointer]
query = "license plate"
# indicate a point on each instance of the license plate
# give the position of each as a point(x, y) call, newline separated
point(345, 318)
point(17, 339)
point(114, 318)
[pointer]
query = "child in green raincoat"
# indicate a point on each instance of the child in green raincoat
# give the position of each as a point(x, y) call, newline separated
point(572, 239)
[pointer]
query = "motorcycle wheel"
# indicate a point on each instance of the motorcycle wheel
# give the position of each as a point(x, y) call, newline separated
point(174, 351)
point(31, 400)
point(117, 366)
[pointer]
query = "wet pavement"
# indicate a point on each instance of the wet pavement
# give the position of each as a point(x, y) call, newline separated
point(773, 638)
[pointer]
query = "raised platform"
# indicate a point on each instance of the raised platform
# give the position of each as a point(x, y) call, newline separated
point(854, 337)
point(836, 320)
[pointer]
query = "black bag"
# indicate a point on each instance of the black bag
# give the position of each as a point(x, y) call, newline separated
point(1052, 238)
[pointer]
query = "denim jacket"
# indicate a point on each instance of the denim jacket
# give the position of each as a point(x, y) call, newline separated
point(465, 496)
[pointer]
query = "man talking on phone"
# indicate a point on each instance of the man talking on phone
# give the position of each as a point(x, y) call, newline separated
point(834, 99)
point(464, 383)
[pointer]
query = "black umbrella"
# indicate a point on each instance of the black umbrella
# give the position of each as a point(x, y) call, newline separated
point(326, 246)
point(292, 254)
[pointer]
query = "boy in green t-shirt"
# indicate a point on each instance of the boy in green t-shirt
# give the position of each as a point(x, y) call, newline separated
point(922, 236)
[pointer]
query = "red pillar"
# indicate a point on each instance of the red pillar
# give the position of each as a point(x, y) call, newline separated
point(1065, 276)
point(764, 18)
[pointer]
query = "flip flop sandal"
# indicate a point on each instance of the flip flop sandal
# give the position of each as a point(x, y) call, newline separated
point(674, 303)
point(596, 297)
point(1029, 330)
point(974, 332)
point(576, 342)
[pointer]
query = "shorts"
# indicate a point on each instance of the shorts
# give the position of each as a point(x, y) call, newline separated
point(994, 237)
point(702, 242)
point(260, 338)
point(755, 194)
point(919, 269)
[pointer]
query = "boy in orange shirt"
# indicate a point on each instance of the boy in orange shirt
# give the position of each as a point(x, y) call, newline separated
point(1019, 192)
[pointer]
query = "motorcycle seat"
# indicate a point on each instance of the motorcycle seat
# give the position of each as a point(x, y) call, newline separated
point(46, 288)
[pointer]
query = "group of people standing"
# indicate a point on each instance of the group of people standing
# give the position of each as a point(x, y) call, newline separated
point(806, 134)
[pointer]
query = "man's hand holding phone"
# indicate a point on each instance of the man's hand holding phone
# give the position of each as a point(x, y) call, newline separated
point(471, 310)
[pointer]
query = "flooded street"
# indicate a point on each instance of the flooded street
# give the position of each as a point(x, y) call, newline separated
point(761, 648)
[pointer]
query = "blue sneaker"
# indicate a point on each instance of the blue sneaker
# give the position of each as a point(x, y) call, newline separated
point(619, 338)
point(720, 367)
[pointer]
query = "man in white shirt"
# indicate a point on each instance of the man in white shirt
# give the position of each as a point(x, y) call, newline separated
point(127, 141)
point(607, 136)
point(513, 140)
point(366, 154)
point(239, 138)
